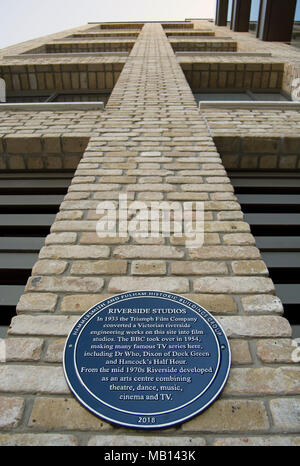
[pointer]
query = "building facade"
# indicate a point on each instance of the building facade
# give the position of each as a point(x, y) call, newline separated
point(172, 111)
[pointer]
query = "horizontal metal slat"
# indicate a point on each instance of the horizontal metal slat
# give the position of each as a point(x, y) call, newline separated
point(262, 174)
point(288, 293)
point(266, 219)
point(34, 183)
point(10, 294)
point(20, 243)
point(269, 199)
point(266, 182)
point(272, 243)
point(34, 186)
point(24, 261)
point(26, 220)
point(296, 331)
point(31, 200)
point(285, 260)
point(37, 175)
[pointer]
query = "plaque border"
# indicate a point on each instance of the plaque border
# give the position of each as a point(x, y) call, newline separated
point(164, 424)
point(133, 412)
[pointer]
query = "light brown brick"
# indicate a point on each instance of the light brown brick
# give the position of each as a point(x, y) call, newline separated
point(224, 252)
point(68, 226)
point(16, 162)
point(32, 379)
point(176, 285)
point(240, 353)
point(263, 303)
point(148, 267)
point(261, 145)
point(81, 303)
point(233, 285)
point(55, 351)
point(74, 143)
point(239, 239)
point(37, 302)
point(45, 267)
point(38, 440)
point(263, 380)
point(102, 267)
point(23, 349)
point(52, 143)
point(255, 326)
point(220, 303)
point(93, 238)
point(74, 252)
point(150, 252)
point(41, 325)
point(285, 413)
point(64, 414)
point(18, 144)
point(230, 416)
point(275, 350)
point(64, 284)
point(61, 238)
point(262, 441)
point(198, 268)
point(145, 441)
point(254, 267)
point(11, 410)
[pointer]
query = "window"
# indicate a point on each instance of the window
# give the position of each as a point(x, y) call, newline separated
point(247, 95)
point(296, 28)
point(28, 205)
point(271, 204)
point(89, 46)
point(57, 96)
point(254, 13)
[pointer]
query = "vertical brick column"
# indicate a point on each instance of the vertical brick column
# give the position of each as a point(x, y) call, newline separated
point(153, 145)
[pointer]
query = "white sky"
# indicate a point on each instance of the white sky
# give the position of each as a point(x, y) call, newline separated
point(22, 20)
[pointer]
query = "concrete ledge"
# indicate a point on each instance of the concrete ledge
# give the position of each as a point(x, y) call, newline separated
point(52, 106)
point(241, 105)
point(64, 54)
point(204, 38)
point(231, 54)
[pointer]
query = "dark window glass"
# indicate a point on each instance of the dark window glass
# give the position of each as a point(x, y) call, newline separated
point(28, 206)
point(247, 96)
point(271, 204)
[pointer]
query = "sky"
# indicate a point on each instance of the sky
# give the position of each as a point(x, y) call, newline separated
point(22, 20)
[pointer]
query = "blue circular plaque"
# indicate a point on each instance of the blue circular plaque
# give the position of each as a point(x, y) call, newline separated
point(146, 359)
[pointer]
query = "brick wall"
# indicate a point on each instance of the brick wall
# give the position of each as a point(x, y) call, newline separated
point(153, 144)
point(202, 45)
point(45, 152)
point(259, 153)
point(232, 73)
point(253, 122)
point(78, 74)
point(89, 45)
